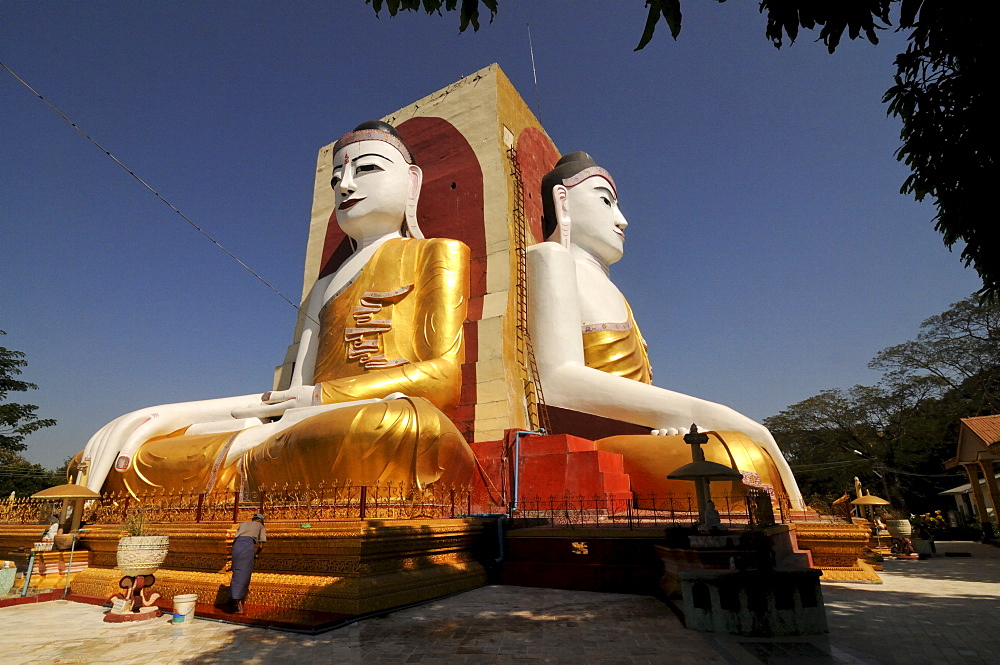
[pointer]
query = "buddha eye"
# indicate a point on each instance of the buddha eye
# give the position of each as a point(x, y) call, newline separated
point(334, 181)
point(368, 168)
point(606, 200)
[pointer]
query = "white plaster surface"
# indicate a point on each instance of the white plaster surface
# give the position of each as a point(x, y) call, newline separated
point(569, 285)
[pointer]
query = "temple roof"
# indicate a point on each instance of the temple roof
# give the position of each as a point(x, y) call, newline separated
point(978, 439)
point(987, 428)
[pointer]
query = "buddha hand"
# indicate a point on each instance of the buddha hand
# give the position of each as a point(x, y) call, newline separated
point(293, 397)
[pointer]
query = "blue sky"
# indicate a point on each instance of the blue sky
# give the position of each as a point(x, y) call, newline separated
point(769, 252)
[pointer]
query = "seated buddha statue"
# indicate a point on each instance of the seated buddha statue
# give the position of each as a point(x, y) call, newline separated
point(377, 372)
point(592, 359)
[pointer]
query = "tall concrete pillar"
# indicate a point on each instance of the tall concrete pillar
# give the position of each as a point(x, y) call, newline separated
point(986, 466)
point(977, 491)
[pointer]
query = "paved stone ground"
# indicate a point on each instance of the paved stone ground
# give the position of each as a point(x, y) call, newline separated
point(943, 610)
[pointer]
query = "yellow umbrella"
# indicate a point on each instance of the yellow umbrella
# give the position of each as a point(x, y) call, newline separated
point(870, 500)
point(67, 491)
point(78, 493)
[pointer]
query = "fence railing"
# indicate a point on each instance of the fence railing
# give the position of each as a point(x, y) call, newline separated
point(305, 504)
point(751, 506)
point(27, 511)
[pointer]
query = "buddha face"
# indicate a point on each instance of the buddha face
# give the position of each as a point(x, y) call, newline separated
point(597, 226)
point(372, 185)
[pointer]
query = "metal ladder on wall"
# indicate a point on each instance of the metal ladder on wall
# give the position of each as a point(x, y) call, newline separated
point(538, 418)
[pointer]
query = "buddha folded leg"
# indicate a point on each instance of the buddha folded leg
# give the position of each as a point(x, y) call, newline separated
point(406, 440)
point(648, 459)
point(178, 462)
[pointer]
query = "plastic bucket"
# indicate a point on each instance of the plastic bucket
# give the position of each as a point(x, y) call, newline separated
point(184, 607)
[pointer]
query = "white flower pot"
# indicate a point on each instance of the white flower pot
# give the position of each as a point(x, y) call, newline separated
point(141, 555)
point(899, 528)
point(7, 573)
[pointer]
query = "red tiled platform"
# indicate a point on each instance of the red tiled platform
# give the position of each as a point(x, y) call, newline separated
point(556, 465)
point(42, 596)
point(128, 617)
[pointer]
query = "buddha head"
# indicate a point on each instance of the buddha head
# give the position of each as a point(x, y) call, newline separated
point(375, 182)
point(580, 208)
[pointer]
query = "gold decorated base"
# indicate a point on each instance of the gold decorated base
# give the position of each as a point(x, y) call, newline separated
point(340, 595)
point(50, 568)
point(345, 568)
point(838, 550)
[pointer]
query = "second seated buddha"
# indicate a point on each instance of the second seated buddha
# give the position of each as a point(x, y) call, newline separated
point(592, 358)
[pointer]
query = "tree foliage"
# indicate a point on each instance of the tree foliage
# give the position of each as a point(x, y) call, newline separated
point(785, 17)
point(959, 348)
point(939, 94)
point(16, 420)
point(24, 478)
point(896, 434)
point(468, 9)
point(949, 129)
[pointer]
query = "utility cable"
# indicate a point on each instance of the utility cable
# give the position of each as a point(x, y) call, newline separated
point(825, 465)
point(808, 468)
point(146, 185)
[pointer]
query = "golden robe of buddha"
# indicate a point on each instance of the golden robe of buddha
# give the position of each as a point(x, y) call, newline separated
point(617, 348)
point(397, 328)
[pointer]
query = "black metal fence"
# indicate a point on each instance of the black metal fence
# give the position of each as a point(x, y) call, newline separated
point(751, 506)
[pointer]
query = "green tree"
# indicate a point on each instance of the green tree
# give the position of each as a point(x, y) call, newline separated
point(16, 420)
point(960, 348)
point(893, 436)
point(939, 95)
point(896, 434)
point(20, 476)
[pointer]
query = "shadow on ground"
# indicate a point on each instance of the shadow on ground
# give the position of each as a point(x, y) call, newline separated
point(492, 624)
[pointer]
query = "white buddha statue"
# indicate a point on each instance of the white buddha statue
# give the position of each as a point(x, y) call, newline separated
point(591, 357)
point(378, 366)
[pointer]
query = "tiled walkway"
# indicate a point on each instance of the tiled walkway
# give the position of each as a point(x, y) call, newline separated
point(944, 610)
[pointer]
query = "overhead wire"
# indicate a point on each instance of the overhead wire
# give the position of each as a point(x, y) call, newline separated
point(147, 186)
point(824, 465)
point(26, 473)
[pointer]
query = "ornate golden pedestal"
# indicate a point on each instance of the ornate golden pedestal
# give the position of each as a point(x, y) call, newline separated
point(342, 567)
point(837, 550)
point(50, 568)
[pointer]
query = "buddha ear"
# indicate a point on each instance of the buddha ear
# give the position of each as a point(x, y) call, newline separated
point(560, 199)
point(416, 179)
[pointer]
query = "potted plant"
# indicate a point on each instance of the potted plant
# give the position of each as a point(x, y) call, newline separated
point(897, 526)
point(140, 552)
